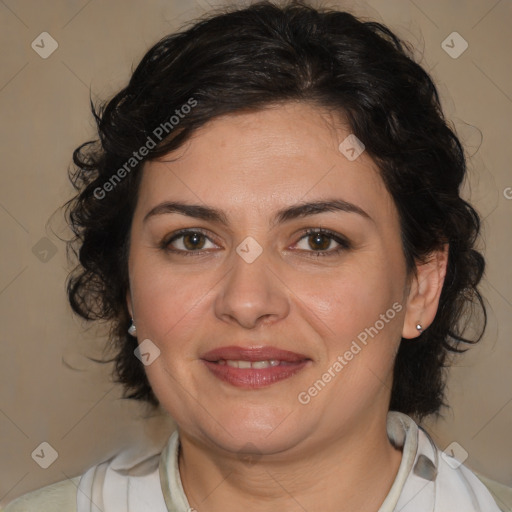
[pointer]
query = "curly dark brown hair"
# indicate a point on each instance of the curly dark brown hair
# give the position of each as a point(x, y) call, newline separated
point(246, 59)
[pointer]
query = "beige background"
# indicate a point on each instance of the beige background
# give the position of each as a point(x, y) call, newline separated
point(44, 105)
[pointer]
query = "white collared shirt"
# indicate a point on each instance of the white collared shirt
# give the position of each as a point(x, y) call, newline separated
point(427, 481)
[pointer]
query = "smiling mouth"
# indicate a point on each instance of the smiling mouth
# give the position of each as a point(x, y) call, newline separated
point(254, 367)
point(252, 364)
point(254, 374)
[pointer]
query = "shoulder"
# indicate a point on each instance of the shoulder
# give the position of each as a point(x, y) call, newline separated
point(60, 496)
point(129, 480)
point(457, 485)
point(487, 492)
point(502, 493)
point(430, 479)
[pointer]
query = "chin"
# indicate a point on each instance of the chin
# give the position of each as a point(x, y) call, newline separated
point(266, 431)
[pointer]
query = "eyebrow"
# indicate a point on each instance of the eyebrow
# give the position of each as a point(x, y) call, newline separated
point(296, 211)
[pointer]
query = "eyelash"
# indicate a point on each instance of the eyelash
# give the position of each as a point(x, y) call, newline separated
point(344, 244)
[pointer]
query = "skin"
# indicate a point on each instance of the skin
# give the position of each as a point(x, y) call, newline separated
point(333, 453)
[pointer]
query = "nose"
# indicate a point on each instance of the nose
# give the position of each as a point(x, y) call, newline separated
point(252, 294)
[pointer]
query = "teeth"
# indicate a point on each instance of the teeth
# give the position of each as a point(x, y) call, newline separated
point(260, 364)
point(249, 364)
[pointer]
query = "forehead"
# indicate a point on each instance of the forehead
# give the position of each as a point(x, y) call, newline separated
point(265, 159)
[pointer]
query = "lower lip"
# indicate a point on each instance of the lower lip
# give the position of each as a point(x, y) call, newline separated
point(254, 378)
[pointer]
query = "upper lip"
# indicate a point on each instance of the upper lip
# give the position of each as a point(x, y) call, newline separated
point(252, 354)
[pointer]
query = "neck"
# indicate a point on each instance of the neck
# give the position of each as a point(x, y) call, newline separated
point(352, 471)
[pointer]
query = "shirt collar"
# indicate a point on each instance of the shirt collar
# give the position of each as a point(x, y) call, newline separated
point(415, 470)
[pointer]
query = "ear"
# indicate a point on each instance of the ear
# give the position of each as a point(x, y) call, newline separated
point(424, 292)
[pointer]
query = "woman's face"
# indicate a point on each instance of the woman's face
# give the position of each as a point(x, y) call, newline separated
point(251, 277)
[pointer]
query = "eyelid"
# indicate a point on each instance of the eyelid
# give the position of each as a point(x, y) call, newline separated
point(166, 240)
point(342, 241)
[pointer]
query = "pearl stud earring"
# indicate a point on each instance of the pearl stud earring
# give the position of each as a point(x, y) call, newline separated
point(132, 330)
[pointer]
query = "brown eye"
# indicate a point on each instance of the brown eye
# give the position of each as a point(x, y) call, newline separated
point(193, 241)
point(319, 241)
point(187, 242)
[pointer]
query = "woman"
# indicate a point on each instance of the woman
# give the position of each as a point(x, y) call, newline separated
point(271, 222)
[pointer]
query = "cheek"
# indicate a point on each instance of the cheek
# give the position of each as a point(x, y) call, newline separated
point(168, 304)
point(351, 298)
